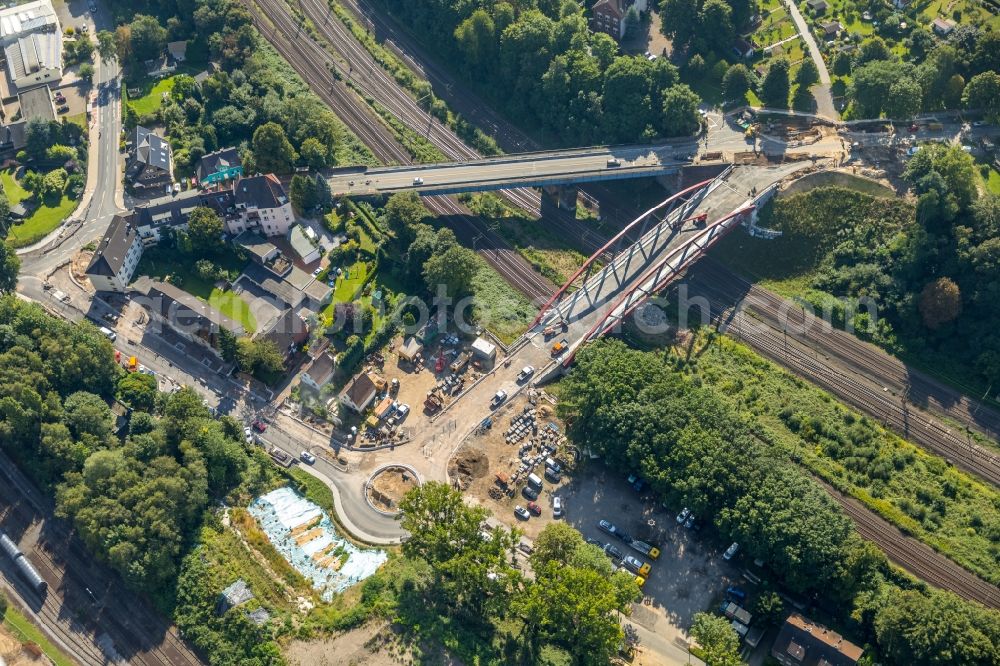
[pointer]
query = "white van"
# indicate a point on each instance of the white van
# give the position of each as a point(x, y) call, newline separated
point(553, 465)
point(109, 334)
point(534, 481)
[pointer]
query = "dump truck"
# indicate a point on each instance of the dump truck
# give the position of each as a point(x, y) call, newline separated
point(646, 549)
point(432, 404)
point(459, 363)
point(560, 347)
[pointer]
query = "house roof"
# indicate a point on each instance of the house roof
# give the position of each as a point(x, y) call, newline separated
point(360, 390)
point(110, 255)
point(282, 290)
point(943, 24)
point(150, 149)
point(29, 16)
point(289, 330)
point(812, 644)
point(410, 348)
point(33, 52)
point(257, 245)
point(260, 191)
point(300, 242)
point(321, 369)
point(12, 135)
point(743, 45)
point(220, 160)
point(831, 26)
point(234, 595)
point(177, 50)
point(36, 104)
point(181, 307)
point(612, 8)
point(318, 291)
point(174, 209)
point(816, 4)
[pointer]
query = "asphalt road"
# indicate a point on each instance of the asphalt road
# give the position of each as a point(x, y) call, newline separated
point(517, 170)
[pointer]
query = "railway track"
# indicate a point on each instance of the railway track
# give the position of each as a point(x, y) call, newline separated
point(312, 62)
point(67, 610)
point(758, 326)
point(914, 556)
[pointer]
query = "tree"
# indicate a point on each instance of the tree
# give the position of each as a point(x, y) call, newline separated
point(632, 19)
point(86, 72)
point(680, 20)
point(313, 153)
point(871, 82)
point(873, 48)
point(402, 212)
point(87, 414)
point(272, 151)
point(453, 269)
point(680, 111)
point(106, 47)
point(10, 266)
point(716, 19)
point(737, 81)
point(303, 193)
point(147, 38)
point(775, 87)
point(138, 391)
point(205, 230)
point(842, 63)
point(769, 608)
point(557, 542)
point(983, 92)
point(940, 303)
point(936, 629)
point(903, 101)
point(808, 74)
point(717, 638)
point(946, 172)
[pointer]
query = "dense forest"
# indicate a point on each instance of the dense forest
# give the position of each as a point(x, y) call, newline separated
point(696, 451)
point(539, 62)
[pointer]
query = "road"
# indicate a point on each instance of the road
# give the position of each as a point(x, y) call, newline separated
point(824, 99)
point(523, 170)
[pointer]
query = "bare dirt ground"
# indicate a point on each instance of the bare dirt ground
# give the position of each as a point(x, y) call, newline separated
point(648, 38)
point(390, 486)
point(13, 653)
point(500, 450)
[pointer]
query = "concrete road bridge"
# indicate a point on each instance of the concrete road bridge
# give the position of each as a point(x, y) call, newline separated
point(540, 169)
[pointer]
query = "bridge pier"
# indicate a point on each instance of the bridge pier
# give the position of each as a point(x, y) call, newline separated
point(563, 197)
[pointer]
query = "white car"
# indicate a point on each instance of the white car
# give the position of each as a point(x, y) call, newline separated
point(731, 551)
point(248, 435)
point(307, 457)
point(683, 515)
point(498, 398)
point(402, 411)
point(418, 181)
point(526, 372)
point(557, 507)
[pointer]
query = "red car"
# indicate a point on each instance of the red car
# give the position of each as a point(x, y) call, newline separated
point(534, 508)
point(259, 425)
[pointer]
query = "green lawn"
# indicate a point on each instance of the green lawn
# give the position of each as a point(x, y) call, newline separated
point(150, 102)
point(993, 182)
point(15, 193)
point(160, 265)
point(349, 282)
point(43, 221)
point(80, 119)
point(22, 627)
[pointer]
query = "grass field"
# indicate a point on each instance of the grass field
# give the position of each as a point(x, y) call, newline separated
point(498, 306)
point(43, 221)
point(150, 102)
point(161, 265)
point(23, 628)
point(15, 193)
point(349, 282)
point(951, 511)
point(993, 181)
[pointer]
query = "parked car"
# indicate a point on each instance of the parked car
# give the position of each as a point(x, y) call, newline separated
point(521, 512)
point(530, 492)
point(534, 508)
point(637, 483)
point(248, 434)
point(498, 398)
point(735, 593)
point(402, 411)
point(307, 457)
point(606, 526)
point(259, 425)
point(526, 372)
point(683, 515)
point(557, 507)
point(689, 523)
point(612, 552)
point(595, 542)
point(731, 551)
point(64, 108)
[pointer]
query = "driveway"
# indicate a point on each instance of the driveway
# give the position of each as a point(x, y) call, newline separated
point(824, 100)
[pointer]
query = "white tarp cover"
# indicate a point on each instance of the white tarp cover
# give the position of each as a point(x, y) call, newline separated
point(316, 552)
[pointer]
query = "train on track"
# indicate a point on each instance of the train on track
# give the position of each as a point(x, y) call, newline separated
point(22, 564)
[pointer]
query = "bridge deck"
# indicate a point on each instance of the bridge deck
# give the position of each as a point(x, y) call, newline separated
point(510, 171)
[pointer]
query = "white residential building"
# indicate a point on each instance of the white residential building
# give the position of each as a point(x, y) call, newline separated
point(263, 205)
point(116, 257)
